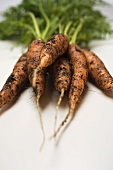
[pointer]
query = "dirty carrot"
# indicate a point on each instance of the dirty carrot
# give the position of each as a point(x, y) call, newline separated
point(53, 48)
point(79, 78)
point(61, 71)
point(15, 82)
point(97, 70)
point(37, 78)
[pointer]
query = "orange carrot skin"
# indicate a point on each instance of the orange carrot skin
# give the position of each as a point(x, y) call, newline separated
point(97, 70)
point(15, 82)
point(61, 73)
point(33, 60)
point(79, 77)
point(53, 48)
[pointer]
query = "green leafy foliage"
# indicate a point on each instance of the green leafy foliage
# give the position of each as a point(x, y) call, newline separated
point(43, 18)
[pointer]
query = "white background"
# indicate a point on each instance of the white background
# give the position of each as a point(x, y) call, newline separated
point(87, 143)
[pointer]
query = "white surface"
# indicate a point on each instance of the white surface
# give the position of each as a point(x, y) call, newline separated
point(87, 143)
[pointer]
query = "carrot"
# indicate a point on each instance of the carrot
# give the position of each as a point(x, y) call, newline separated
point(53, 48)
point(37, 78)
point(15, 82)
point(78, 81)
point(97, 70)
point(61, 71)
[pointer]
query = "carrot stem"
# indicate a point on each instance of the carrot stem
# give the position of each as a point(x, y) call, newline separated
point(60, 28)
point(77, 30)
point(47, 22)
point(35, 23)
point(67, 28)
point(29, 28)
point(53, 28)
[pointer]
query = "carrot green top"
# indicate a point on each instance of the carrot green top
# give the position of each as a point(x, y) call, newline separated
point(79, 19)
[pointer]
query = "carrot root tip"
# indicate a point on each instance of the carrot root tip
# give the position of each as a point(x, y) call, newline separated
point(41, 122)
point(58, 104)
point(63, 122)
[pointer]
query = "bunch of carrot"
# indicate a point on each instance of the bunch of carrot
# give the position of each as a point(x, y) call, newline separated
point(69, 66)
